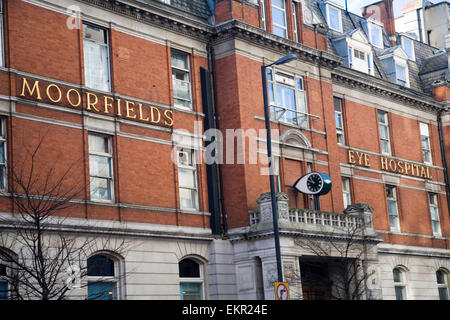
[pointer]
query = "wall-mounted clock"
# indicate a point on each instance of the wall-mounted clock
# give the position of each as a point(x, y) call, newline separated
point(315, 183)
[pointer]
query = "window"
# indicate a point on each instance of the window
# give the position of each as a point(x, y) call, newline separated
point(2, 59)
point(383, 125)
point(181, 79)
point(400, 74)
point(359, 54)
point(408, 46)
point(346, 191)
point(399, 284)
point(391, 197)
point(276, 173)
point(442, 283)
point(339, 117)
point(426, 146)
point(191, 280)
point(334, 18)
point(100, 167)
point(375, 35)
point(369, 64)
point(350, 57)
point(287, 98)
point(187, 179)
point(102, 274)
point(434, 212)
point(263, 14)
point(279, 18)
point(3, 153)
point(294, 18)
point(96, 57)
point(3, 283)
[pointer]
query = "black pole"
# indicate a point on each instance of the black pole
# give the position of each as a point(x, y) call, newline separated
point(272, 183)
point(443, 156)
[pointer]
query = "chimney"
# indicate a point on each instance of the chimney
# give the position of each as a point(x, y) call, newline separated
point(382, 11)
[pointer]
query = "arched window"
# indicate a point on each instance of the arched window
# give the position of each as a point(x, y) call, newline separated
point(399, 283)
point(191, 280)
point(3, 282)
point(102, 272)
point(442, 282)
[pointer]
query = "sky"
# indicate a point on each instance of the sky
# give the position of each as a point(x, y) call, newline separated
point(356, 5)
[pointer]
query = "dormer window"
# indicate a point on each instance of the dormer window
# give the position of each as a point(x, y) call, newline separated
point(400, 74)
point(408, 46)
point(333, 15)
point(375, 34)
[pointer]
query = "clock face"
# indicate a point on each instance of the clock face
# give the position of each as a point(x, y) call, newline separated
point(314, 182)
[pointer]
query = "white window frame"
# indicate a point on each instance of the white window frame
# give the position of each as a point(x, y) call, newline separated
point(276, 172)
point(2, 40)
point(285, 27)
point(340, 132)
point(370, 27)
point(443, 285)
point(398, 80)
point(281, 78)
point(110, 279)
point(189, 82)
point(413, 53)
point(395, 214)
point(4, 165)
point(433, 202)
point(425, 134)
point(200, 279)
point(401, 284)
point(328, 6)
point(263, 14)
point(108, 58)
point(108, 155)
point(192, 167)
point(350, 56)
point(346, 191)
point(385, 124)
point(294, 18)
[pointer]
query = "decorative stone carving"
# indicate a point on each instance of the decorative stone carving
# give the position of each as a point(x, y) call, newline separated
point(265, 206)
point(361, 209)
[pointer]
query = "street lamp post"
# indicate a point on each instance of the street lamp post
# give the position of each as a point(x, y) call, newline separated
point(282, 60)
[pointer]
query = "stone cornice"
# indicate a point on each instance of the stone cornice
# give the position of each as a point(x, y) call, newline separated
point(238, 29)
point(174, 20)
point(372, 85)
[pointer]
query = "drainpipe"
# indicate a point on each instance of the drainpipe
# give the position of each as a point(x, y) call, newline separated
point(212, 60)
point(443, 154)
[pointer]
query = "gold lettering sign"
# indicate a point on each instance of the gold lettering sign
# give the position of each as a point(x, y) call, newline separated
point(93, 102)
point(390, 165)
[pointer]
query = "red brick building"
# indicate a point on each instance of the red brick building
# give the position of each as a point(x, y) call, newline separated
point(115, 90)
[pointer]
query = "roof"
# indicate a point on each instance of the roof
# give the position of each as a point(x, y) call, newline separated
point(197, 8)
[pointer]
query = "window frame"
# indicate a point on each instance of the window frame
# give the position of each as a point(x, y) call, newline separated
point(110, 156)
point(108, 55)
point(371, 26)
point(4, 166)
point(294, 19)
point(398, 80)
point(339, 11)
point(200, 279)
point(193, 169)
point(340, 132)
point(385, 124)
point(433, 202)
point(285, 27)
point(107, 279)
point(413, 53)
point(442, 285)
point(346, 191)
point(393, 199)
point(400, 284)
point(426, 134)
point(2, 35)
point(300, 94)
point(185, 71)
point(263, 14)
